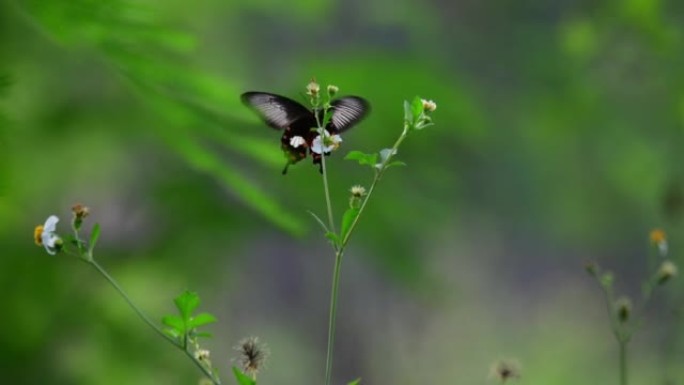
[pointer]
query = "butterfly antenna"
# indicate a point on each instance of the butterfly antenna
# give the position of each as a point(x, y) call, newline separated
point(287, 165)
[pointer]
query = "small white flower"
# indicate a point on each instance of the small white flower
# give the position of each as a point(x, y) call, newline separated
point(297, 141)
point(326, 144)
point(429, 105)
point(202, 354)
point(48, 237)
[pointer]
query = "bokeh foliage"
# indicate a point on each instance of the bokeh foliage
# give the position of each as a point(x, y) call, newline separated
point(559, 137)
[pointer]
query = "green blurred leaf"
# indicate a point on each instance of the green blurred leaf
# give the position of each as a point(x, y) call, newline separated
point(362, 158)
point(395, 163)
point(94, 236)
point(202, 334)
point(334, 238)
point(186, 303)
point(347, 220)
point(319, 220)
point(175, 323)
point(416, 108)
point(201, 319)
point(355, 382)
point(242, 378)
point(386, 153)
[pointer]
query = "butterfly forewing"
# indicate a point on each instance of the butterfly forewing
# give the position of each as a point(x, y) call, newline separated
point(348, 111)
point(277, 111)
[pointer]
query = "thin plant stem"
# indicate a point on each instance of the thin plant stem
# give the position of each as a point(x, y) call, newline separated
point(623, 362)
point(339, 251)
point(333, 316)
point(184, 347)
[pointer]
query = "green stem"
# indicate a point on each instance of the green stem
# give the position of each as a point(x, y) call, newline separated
point(339, 252)
point(333, 317)
point(117, 287)
point(623, 362)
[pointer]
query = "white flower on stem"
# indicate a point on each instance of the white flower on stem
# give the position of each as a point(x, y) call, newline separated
point(326, 144)
point(47, 237)
point(297, 141)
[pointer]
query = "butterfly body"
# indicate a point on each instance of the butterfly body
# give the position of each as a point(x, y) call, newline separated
point(299, 124)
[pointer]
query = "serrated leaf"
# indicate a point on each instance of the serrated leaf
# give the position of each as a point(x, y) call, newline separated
point(347, 220)
point(334, 238)
point(186, 303)
point(355, 382)
point(201, 319)
point(94, 236)
point(174, 322)
point(242, 378)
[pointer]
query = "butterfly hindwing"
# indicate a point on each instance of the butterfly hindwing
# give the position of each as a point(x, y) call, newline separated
point(347, 111)
point(277, 111)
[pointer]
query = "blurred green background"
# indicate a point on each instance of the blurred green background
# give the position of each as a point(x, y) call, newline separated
point(558, 138)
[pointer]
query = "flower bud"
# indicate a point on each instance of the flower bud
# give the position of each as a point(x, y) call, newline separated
point(313, 88)
point(429, 105)
point(332, 90)
point(623, 309)
point(592, 268)
point(666, 271)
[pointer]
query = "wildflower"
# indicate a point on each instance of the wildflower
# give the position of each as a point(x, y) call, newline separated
point(505, 370)
point(80, 211)
point(327, 144)
point(592, 268)
point(357, 191)
point(202, 354)
point(45, 236)
point(252, 355)
point(313, 88)
point(666, 271)
point(332, 90)
point(297, 141)
point(429, 105)
point(623, 308)
point(659, 238)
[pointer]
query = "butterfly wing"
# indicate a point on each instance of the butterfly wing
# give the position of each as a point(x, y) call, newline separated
point(347, 111)
point(277, 111)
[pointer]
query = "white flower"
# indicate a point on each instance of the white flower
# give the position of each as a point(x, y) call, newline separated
point(202, 354)
point(297, 141)
point(325, 144)
point(47, 237)
point(429, 105)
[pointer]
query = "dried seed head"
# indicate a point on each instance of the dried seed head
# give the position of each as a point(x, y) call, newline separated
point(504, 370)
point(313, 88)
point(666, 271)
point(623, 309)
point(80, 211)
point(252, 355)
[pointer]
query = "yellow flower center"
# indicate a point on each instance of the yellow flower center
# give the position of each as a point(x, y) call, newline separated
point(658, 236)
point(37, 235)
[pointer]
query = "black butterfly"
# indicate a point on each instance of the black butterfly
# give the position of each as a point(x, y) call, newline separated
point(300, 136)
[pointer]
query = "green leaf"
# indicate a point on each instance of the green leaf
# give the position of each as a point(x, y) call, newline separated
point(347, 220)
point(201, 319)
point(387, 153)
point(355, 382)
point(94, 235)
point(408, 115)
point(334, 238)
point(319, 220)
point(362, 158)
point(202, 335)
point(175, 323)
point(395, 163)
point(327, 117)
point(186, 304)
point(416, 108)
point(242, 378)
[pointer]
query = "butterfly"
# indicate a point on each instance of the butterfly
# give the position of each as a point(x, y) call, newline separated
point(300, 136)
